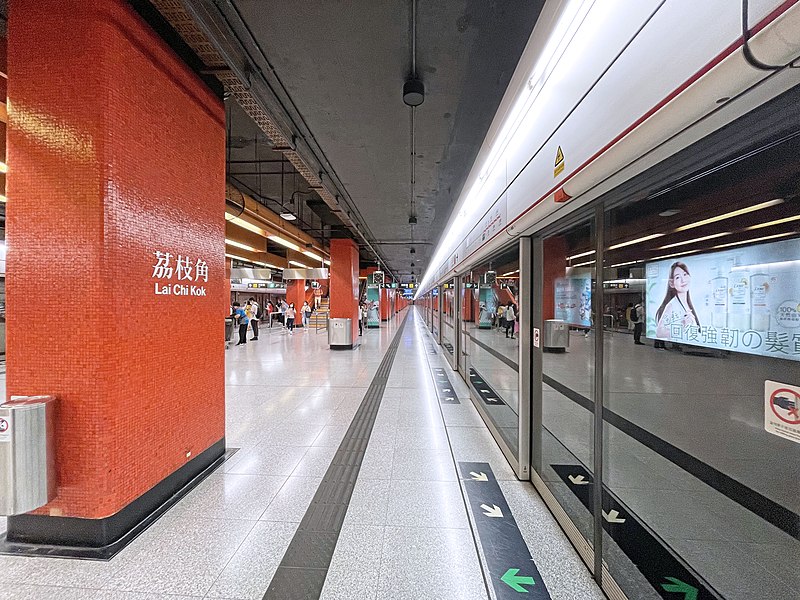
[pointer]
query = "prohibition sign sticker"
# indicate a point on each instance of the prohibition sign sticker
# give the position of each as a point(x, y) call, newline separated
point(782, 410)
point(5, 430)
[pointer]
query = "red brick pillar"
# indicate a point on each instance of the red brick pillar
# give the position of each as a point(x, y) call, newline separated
point(117, 184)
point(296, 292)
point(344, 282)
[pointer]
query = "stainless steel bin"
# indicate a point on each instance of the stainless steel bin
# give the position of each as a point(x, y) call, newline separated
point(340, 333)
point(556, 335)
point(27, 454)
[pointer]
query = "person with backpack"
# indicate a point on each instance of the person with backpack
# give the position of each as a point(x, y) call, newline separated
point(305, 313)
point(510, 318)
point(637, 318)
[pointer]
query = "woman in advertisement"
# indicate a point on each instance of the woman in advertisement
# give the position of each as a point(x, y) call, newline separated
point(677, 307)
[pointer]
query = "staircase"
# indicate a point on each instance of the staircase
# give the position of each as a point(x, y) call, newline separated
point(319, 318)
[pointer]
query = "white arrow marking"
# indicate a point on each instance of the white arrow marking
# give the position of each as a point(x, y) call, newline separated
point(486, 391)
point(446, 389)
point(492, 511)
point(578, 480)
point(449, 398)
point(479, 476)
point(612, 516)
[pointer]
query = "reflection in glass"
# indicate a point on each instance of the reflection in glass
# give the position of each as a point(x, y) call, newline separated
point(568, 362)
point(688, 447)
point(489, 331)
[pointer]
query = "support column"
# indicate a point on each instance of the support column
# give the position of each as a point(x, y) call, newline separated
point(117, 184)
point(296, 292)
point(344, 283)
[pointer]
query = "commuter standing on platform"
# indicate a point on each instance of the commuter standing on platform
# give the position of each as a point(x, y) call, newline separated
point(360, 318)
point(289, 314)
point(637, 318)
point(501, 323)
point(241, 318)
point(305, 313)
point(628, 311)
point(253, 309)
point(270, 308)
point(510, 318)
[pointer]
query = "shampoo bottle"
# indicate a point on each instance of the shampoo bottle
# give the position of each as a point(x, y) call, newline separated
point(759, 307)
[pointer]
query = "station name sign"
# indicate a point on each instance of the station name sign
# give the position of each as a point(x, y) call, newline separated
point(179, 275)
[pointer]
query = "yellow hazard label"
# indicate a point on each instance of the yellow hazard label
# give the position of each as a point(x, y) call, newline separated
point(559, 164)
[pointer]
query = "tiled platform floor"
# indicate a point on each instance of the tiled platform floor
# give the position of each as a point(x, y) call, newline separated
point(406, 533)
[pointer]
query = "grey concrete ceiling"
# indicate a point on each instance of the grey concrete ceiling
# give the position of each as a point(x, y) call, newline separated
point(343, 64)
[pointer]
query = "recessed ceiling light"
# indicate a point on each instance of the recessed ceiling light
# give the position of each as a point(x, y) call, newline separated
point(670, 212)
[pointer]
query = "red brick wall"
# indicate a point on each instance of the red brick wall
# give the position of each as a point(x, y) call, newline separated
point(116, 151)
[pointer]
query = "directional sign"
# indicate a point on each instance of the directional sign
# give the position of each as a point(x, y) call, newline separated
point(670, 577)
point(485, 391)
point(493, 511)
point(515, 582)
point(508, 559)
point(444, 389)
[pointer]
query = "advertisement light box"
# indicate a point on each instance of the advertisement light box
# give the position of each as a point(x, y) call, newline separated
point(743, 300)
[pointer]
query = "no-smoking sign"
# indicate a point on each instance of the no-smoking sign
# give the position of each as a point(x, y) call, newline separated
point(782, 410)
point(5, 430)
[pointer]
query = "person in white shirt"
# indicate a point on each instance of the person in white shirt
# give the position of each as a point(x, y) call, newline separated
point(305, 313)
point(510, 318)
point(252, 314)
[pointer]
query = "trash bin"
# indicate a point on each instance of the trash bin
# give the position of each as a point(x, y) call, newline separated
point(340, 333)
point(556, 335)
point(228, 329)
point(27, 454)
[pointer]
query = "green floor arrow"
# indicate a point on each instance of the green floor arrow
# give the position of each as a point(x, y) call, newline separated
point(680, 587)
point(515, 582)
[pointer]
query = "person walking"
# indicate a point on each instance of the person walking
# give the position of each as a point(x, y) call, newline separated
point(501, 323)
point(361, 315)
point(290, 314)
point(240, 316)
point(305, 313)
point(270, 309)
point(510, 317)
point(637, 318)
point(252, 314)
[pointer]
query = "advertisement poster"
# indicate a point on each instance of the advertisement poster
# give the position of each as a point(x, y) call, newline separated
point(743, 300)
point(573, 297)
point(488, 307)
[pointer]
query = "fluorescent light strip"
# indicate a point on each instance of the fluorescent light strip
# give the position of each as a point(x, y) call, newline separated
point(298, 264)
point(730, 215)
point(238, 257)
point(3, 198)
point(625, 264)
point(636, 241)
point(760, 239)
point(316, 257)
point(3, 167)
point(240, 245)
point(283, 242)
point(248, 225)
point(583, 264)
point(674, 254)
point(326, 262)
point(771, 223)
point(509, 273)
point(581, 255)
point(700, 239)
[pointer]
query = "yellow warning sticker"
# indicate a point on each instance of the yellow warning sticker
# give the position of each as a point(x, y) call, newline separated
point(559, 164)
